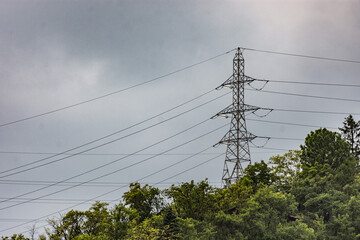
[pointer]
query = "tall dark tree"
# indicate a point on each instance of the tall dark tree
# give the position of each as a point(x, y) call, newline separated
point(351, 134)
point(258, 175)
point(145, 200)
point(324, 147)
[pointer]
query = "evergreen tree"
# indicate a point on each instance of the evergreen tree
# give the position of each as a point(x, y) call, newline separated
point(351, 134)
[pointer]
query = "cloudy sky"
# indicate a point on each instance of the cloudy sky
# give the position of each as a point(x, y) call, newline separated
point(55, 54)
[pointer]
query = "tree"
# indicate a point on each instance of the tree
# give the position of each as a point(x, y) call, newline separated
point(97, 219)
point(120, 221)
point(258, 175)
point(351, 134)
point(170, 224)
point(264, 212)
point(67, 227)
point(295, 231)
point(145, 200)
point(193, 200)
point(286, 167)
point(324, 147)
point(327, 166)
point(15, 237)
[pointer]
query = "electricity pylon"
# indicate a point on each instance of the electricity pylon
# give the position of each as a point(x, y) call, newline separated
point(237, 138)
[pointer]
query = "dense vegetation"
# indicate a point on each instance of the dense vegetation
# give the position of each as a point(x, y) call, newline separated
point(311, 193)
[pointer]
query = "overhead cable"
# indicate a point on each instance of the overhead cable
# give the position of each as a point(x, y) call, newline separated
point(310, 83)
point(309, 96)
point(115, 171)
point(115, 92)
point(101, 145)
point(94, 198)
point(303, 56)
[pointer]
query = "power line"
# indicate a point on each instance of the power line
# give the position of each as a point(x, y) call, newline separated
point(309, 96)
point(101, 195)
point(109, 135)
point(169, 154)
point(285, 138)
point(101, 145)
point(115, 171)
point(97, 154)
point(311, 83)
point(42, 183)
point(158, 183)
point(303, 56)
point(310, 111)
point(287, 123)
point(187, 170)
point(115, 92)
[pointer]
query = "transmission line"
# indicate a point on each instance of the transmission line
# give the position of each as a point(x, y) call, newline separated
point(101, 145)
point(309, 96)
point(310, 111)
point(95, 154)
point(189, 169)
point(109, 135)
point(303, 56)
point(101, 195)
point(287, 123)
point(115, 92)
point(310, 83)
point(115, 171)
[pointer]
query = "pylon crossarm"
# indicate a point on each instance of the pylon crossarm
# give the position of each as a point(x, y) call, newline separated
point(227, 83)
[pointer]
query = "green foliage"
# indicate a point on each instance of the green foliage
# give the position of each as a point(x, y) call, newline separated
point(145, 200)
point(193, 200)
point(191, 229)
point(265, 211)
point(286, 167)
point(170, 224)
point(15, 237)
point(150, 229)
point(324, 147)
point(258, 175)
point(294, 231)
point(351, 134)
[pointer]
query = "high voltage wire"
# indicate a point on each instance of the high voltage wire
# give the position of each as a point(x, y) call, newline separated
point(115, 92)
point(82, 183)
point(85, 201)
point(158, 183)
point(170, 154)
point(310, 111)
point(310, 83)
point(112, 134)
point(41, 183)
point(182, 69)
point(101, 195)
point(302, 55)
point(114, 161)
point(171, 73)
point(115, 171)
point(101, 145)
point(284, 138)
point(287, 123)
point(96, 154)
point(187, 170)
point(306, 95)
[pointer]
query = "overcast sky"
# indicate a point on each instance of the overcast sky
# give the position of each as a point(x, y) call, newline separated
point(58, 53)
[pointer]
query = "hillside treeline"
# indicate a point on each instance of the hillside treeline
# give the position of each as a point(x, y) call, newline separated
point(311, 193)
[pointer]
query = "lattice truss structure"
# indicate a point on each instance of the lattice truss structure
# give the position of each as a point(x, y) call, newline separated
point(237, 138)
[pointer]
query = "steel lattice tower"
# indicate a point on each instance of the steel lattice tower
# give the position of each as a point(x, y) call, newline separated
point(237, 138)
